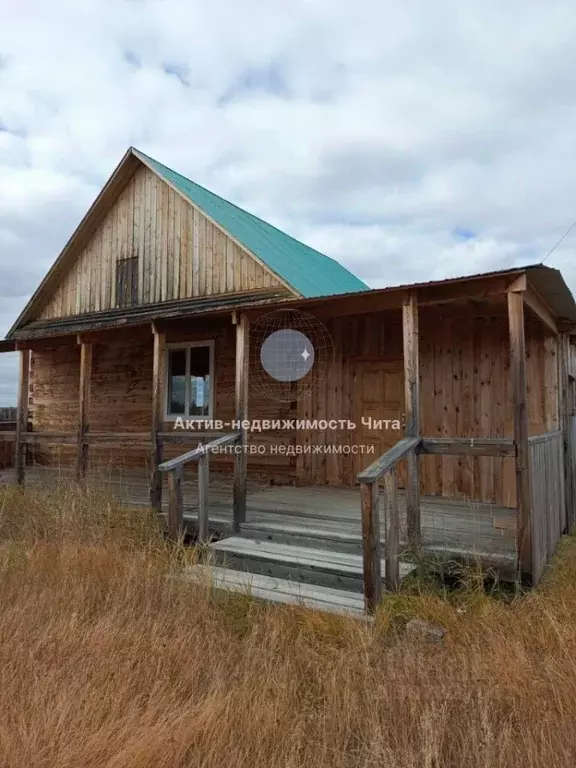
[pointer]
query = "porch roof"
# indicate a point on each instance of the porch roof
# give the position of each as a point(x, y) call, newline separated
point(547, 282)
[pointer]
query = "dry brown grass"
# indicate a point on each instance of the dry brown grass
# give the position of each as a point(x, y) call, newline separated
point(106, 662)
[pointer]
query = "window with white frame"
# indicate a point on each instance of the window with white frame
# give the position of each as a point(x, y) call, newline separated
point(190, 380)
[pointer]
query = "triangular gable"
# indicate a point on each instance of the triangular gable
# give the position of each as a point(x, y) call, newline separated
point(308, 271)
point(177, 252)
point(184, 241)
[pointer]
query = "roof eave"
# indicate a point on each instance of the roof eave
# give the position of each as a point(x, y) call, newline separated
point(147, 313)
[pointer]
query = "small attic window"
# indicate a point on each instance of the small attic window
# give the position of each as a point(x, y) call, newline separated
point(127, 282)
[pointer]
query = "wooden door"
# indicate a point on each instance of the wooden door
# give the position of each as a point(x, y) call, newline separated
point(378, 395)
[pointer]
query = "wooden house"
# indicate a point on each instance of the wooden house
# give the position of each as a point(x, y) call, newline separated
point(445, 408)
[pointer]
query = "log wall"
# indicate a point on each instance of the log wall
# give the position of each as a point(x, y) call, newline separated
point(121, 398)
point(464, 392)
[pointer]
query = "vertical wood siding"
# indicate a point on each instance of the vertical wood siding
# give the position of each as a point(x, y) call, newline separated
point(180, 254)
point(7, 424)
point(548, 517)
point(464, 392)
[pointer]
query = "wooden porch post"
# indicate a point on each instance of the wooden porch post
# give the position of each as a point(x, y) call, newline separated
point(241, 396)
point(412, 405)
point(22, 419)
point(518, 379)
point(157, 419)
point(83, 408)
point(176, 505)
point(371, 546)
point(391, 536)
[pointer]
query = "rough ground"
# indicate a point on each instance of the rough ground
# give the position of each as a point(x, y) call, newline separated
point(105, 662)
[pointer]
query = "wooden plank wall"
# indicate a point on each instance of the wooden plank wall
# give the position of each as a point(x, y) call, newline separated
point(121, 399)
point(180, 254)
point(360, 343)
point(548, 515)
point(464, 391)
point(570, 457)
point(6, 454)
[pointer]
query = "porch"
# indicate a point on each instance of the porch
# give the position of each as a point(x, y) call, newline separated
point(439, 361)
point(450, 527)
point(314, 517)
point(318, 537)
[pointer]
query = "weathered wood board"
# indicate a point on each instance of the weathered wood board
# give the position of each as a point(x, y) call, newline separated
point(548, 516)
point(176, 252)
point(485, 532)
point(464, 392)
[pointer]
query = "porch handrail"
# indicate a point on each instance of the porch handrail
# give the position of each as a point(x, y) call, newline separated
point(469, 446)
point(545, 437)
point(384, 467)
point(198, 452)
point(387, 461)
point(175, 471)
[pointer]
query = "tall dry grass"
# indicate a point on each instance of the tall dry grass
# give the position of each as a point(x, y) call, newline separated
point(104, 661)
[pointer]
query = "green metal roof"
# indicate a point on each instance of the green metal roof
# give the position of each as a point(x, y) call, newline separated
point(308, 271)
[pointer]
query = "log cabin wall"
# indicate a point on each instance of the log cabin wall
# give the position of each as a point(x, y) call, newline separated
point(163, 246)
point(465, 392)
point(121, 399)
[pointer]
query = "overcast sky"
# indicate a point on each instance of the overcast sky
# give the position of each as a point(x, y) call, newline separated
point(411, 140)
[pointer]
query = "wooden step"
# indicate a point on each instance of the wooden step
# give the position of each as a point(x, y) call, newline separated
point(275, 590)
point(343, 537)
point(322, 567)
point(305, 534)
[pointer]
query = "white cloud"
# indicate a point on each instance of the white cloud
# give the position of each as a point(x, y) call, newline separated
point(375, 131)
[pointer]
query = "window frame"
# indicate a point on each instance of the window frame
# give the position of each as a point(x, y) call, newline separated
point(188, 345)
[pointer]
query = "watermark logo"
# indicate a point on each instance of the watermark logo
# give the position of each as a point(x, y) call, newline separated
point(292, 354)
point(287, 355)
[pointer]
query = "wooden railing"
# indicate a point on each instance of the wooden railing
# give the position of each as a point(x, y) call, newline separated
point(384, 467)
point(175, 471)
point(174, 467)
point(107, 438)
point(548, 514)
point(469, 446)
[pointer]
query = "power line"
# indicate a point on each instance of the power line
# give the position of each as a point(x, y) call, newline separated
point(564, 236)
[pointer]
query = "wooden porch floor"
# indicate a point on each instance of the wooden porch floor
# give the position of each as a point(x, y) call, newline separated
point(458, 528)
